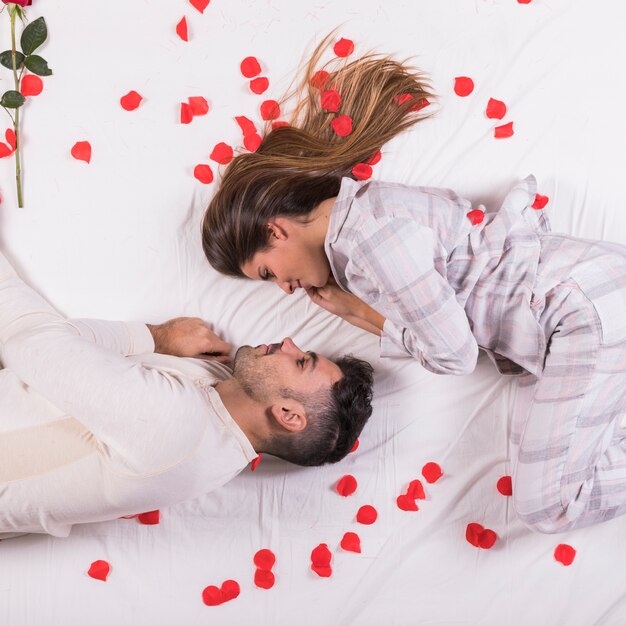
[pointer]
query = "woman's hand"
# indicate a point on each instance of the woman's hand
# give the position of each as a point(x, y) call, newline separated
point(347, 306)
point(191, 337)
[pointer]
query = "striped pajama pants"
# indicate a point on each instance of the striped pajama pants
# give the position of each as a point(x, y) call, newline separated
point(569, 425)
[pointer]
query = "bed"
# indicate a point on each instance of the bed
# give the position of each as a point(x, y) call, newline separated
point(118, 238)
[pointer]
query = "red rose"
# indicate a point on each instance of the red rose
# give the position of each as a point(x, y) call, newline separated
point(22, 3)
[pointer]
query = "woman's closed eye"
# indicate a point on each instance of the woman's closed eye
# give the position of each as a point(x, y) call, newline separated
point(267, 275)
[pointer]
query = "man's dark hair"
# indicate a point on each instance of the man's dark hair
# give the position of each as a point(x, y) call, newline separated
point(334, 419)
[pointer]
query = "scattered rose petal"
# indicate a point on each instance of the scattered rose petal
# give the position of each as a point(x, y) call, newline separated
point(264, 559)
point(351, 542)
point(247, 126)
point(99, 570)
point(346, 485)
point(81, 151)
point(324, 571)
point(203, 173)
point(463, 86)
point(375, 158)
point(415, 490)
point(31, 85)
point(198, 105)
point(230, 590)
point(186, 114)
point(366, 514)
point(199, 4)
point(496, 109)
point(250, 67)
point(564, 553)
point(501, 132)
point(319, 79)
point(472, 532)
point(270, 110)
point(406, 503)
point(479, 536)
point(181, 29)
point(5, 150)
point(344, 47)
point(342, 125)
point(321, 555)
point(407, 97)
point(255, 462)
point(222, 153)
point(539, 203)
point(150, 517)
point(362, 171)
point(476, 216)
point(331, 100)
point(431, 472)
point(252, 142)
point(264, 579)
point(10, 137)
point(259, 85)
point(402, 98)
point(279, 124)
point(131, 101)
point(505, 486)
point(355, 447)
point(422, 103)
point(524, 1)
point(487, 538)
point(212, 596)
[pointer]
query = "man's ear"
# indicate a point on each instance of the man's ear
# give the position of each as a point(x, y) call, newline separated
point(290, 415)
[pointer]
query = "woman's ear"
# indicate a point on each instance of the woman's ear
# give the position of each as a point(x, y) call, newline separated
point(278, 229)
point(290, 415)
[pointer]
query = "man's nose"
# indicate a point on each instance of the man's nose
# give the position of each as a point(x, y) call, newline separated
point(290, 347)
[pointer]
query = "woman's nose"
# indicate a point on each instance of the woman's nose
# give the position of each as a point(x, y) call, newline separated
point(286, 287)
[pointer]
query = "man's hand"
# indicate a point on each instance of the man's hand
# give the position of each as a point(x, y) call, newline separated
point(189, 336)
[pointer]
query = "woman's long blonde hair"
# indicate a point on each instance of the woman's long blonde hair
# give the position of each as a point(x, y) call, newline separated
point(298, 166)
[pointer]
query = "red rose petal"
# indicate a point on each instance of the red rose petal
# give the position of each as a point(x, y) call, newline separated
point(203, 173)
point(331, 100)
point(81, 151)
point(198, 105)
point(181, 29)
point(366, 515)
point(10, 137)
point(264, 559)
point(472, 533)
point(496, 109)
point(346, 485)
point(264, 579)
point(524, 1)
point(463, 86)
point(222, 153)
point(255, 462)
point(259, 85)
point(406, 503)
point(279, 124)
point(250, 67)
point(247, 126)
point(351, 542)
point(501, 132)
point(415, 490)
point(230, 590)
point(402, 98)
point(212, 596)
point(375, 158)
point(270, 110)
point(476, 216)
point(150, 517)
point(186, 114)
point(199, 4)
point(319, 79)
point(431, 472)
point(252, 142)
point(343, 47)
point(324, 571)
point(564, 553)
point(505, 486)
point(539, 203)
point(99, 570)
point(422, 103)
point(31, 85)
point(355, 446)
point(321, 555)
point(486, 539)
point(362, 171)
point(131, 101)
point(5, 150)
point(342, 125)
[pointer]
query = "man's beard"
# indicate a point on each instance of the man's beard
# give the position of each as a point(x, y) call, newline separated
point(254, 376)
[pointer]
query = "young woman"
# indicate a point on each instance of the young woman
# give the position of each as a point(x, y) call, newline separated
point(437, 279)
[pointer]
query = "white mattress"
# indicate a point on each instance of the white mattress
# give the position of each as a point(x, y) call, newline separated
point(118, 238)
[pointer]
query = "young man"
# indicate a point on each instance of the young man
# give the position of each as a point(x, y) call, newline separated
point(99, 419)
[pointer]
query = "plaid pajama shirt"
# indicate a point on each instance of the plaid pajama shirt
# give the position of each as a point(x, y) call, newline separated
point(547, 307)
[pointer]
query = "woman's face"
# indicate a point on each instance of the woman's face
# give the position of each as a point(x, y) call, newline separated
point(292, 261)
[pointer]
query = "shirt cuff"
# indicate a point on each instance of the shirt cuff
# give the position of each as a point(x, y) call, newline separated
point(141, 340)
point(391, 340)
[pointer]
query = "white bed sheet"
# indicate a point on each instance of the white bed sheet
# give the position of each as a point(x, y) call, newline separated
point(119, 238)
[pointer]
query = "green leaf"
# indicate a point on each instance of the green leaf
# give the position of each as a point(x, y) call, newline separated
point(34, 35)
point(7, 60)
point(12, 100)
point(37, 65)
